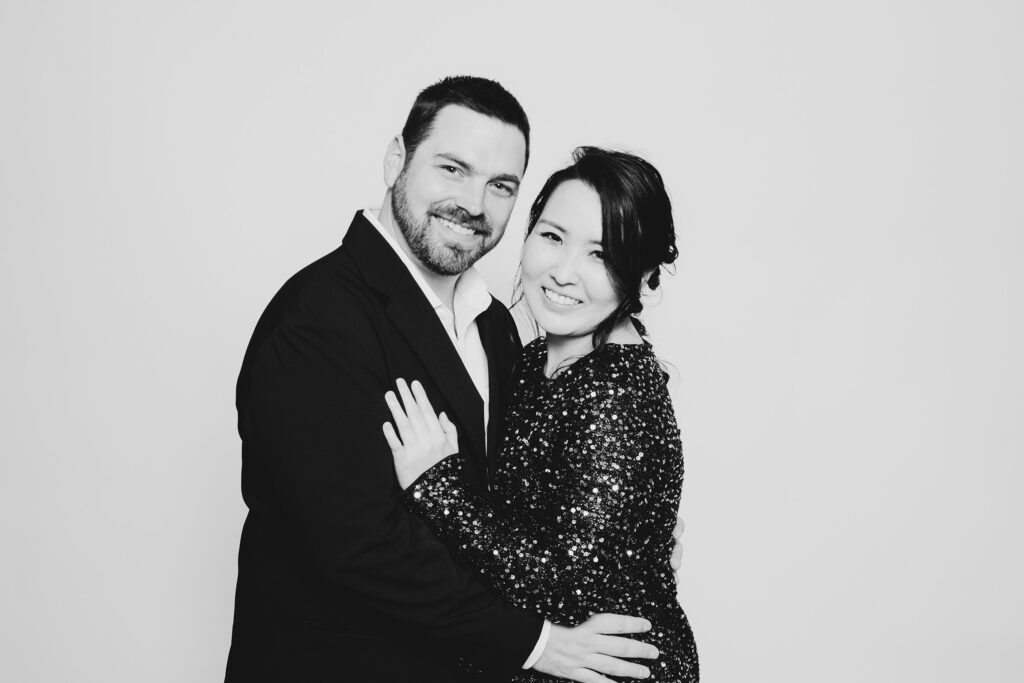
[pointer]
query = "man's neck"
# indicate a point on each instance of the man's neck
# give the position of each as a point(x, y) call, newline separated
point(442, 285)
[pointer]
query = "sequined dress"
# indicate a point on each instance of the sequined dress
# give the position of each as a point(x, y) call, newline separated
point(579, 520)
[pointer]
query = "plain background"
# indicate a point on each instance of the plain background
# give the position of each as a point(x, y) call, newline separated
point(845, 323)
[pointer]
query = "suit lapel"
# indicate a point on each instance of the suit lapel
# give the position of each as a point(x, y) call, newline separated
point(501, 343)
point(412, 315)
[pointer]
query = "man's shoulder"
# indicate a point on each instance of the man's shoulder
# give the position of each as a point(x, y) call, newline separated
point(318, 287)
point(337, 274)
point(328, 294)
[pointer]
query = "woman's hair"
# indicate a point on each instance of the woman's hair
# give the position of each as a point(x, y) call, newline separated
point(637, 232)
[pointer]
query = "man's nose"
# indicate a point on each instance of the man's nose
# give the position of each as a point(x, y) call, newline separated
point(472, 197)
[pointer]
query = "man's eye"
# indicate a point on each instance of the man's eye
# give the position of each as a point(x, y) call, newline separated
point(451, 170)
point(504, 189)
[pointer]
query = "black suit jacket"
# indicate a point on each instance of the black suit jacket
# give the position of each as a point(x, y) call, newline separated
point(336, 581)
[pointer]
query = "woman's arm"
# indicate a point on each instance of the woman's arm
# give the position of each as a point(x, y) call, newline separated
point(603, 499)
point(422, 438)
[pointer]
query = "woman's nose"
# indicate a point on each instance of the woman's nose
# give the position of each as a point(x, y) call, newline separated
point(564, 270)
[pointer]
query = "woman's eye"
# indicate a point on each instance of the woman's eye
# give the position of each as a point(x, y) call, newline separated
point(550, 236)
point(598, 254)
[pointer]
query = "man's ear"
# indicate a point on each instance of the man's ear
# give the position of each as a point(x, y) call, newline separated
point(394, 160)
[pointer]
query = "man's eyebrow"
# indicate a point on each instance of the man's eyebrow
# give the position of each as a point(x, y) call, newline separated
point(506, 178)
point(501, 177)
point(455, 160)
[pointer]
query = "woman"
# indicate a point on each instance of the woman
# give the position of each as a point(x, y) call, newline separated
point(580, 518)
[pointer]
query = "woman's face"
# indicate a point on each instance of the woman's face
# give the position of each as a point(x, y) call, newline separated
point(565, 281)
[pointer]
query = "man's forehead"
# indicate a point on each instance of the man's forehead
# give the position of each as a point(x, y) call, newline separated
point(478, 139)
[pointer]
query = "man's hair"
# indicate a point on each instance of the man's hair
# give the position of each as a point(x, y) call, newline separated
point(482, 95)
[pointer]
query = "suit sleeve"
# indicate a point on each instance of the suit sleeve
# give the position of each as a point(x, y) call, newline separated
point(312, 422)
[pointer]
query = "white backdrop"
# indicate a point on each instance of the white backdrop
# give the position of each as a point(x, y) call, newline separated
point(848, 181)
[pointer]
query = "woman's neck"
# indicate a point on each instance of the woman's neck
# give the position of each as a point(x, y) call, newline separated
point(563, 350)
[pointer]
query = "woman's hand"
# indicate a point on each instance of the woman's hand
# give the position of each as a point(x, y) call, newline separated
point(423, 438)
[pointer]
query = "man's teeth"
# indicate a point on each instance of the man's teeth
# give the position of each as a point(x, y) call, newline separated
point(559, 299)
point(455, 227)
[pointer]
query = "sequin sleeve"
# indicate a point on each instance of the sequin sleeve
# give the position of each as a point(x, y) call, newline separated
point(599, 481)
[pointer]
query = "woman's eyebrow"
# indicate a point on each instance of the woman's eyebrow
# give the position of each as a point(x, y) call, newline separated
point(556, 226)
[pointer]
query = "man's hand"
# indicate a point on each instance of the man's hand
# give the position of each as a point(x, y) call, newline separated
point(584, 652)
point(677, 549)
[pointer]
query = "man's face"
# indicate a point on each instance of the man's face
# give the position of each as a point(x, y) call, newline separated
point(453, 198)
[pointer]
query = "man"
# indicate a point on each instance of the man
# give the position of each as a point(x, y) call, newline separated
point(336, 580)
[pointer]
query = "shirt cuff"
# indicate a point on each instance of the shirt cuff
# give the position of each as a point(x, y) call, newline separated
point(538, 649)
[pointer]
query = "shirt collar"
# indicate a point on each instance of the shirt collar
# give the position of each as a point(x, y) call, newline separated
point(471, 294)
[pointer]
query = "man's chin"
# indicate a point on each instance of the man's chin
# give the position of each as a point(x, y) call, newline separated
point(452, 261)
point(450, 267)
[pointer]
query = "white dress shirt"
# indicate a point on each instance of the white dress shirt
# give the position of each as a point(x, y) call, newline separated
point(471, 299)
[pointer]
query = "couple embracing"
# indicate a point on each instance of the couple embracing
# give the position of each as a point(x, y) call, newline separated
point(513, 519)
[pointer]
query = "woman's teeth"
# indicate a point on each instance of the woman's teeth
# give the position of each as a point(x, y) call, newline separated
point(560, 299)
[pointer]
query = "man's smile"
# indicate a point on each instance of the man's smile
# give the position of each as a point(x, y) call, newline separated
point(457, 228)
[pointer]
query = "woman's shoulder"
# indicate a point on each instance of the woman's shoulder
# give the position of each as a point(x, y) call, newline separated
point(626, 374)
point(625, 364)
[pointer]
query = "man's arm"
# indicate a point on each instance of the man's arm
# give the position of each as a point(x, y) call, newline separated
point(309, 420)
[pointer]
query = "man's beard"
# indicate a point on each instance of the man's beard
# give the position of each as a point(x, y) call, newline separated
point(438, 257)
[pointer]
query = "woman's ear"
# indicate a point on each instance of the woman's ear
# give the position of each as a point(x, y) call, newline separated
point(652, 278)
point(394, 160)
